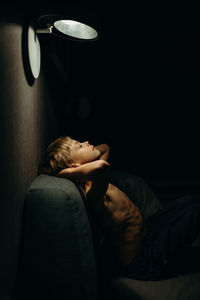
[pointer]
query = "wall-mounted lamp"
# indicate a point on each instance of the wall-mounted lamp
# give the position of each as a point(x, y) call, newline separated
point(67, 28)
point(57, 25)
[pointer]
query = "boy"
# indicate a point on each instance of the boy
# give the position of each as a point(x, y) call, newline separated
point(141, 250)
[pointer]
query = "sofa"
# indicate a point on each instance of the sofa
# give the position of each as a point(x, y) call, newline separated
point(60, 254)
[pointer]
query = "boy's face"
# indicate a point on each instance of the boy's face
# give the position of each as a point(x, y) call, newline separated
point(83, 153)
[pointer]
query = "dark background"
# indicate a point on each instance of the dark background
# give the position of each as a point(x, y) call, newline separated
point(134, 88)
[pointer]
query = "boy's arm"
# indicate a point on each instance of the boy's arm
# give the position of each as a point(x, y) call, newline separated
point(98, 173)
point(104, 150)
point(87, 171)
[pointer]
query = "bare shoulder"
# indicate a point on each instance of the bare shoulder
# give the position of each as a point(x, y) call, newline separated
point(116, 195)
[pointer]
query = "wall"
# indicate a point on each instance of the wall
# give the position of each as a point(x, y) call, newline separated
point(25, 118)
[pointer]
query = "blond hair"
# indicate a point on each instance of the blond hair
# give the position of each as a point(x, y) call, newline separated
point(58, 156)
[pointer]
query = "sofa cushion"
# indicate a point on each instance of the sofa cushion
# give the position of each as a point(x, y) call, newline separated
point(57, 258)
point(183, 287)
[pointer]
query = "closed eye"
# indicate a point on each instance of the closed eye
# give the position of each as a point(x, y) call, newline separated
point(78, 145)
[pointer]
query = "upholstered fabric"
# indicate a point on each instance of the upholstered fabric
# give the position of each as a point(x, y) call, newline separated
point(57, 260)
point(138, 191)
point(183, 287)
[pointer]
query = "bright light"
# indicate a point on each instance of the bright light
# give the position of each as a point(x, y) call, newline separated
point(76, 29)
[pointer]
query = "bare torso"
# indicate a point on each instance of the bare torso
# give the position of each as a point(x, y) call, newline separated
point(122, 223)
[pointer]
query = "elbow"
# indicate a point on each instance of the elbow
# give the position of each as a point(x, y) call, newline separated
point(107, 147)
point(100, 169)
point(103, 164)
point(103, 168)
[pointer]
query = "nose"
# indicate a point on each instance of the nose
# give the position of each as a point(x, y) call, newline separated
point(86, 143)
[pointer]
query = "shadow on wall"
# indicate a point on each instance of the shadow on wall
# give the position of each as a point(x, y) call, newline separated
point(27, 125)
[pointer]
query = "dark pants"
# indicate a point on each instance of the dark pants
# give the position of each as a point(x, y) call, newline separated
point(167, 249)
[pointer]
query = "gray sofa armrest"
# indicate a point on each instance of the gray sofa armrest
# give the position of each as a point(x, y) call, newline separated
point(57, 259)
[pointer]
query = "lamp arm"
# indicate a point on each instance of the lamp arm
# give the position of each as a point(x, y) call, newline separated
point(44, 30)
